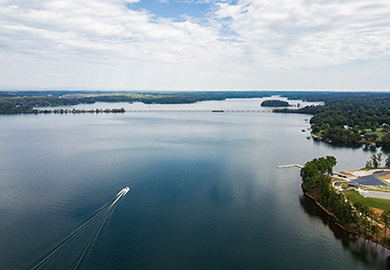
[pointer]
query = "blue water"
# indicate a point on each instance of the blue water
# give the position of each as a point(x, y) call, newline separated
point(205, 191)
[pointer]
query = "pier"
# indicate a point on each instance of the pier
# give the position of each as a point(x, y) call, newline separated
point(290, 166)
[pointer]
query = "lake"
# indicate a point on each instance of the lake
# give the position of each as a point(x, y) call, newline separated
point(205, 191)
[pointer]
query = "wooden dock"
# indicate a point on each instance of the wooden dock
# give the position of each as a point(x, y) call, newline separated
point(290, 166)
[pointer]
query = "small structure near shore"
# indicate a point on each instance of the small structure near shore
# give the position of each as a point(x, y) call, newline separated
point(367, 183)
point(290, 166)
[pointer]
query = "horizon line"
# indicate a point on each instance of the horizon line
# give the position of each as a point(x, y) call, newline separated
point(195, 90)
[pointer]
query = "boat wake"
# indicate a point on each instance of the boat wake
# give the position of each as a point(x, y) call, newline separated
point(70, 253)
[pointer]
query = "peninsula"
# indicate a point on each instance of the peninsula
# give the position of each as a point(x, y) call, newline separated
point(359, 201)
point(359, 118)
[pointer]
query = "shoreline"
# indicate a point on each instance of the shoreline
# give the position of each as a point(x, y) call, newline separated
point(360, 143)
point(334, 218)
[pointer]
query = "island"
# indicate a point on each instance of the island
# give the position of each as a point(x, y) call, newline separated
point(274, 103)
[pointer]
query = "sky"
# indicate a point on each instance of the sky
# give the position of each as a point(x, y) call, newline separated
point(195, 45)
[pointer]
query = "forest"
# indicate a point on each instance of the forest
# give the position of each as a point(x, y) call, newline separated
point(355, 217)
point(317, 182)
point(349, 117)
point(274, 103)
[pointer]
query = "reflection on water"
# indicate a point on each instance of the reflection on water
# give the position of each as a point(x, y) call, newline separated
point(206, 191)
point(341, 145)
point(335, 145)
point(369, 253)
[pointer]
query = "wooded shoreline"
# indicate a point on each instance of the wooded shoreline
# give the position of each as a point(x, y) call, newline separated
point(357, 219)
point(350, 117)
point(334, 220)
point(21, 102)
point(360, 118)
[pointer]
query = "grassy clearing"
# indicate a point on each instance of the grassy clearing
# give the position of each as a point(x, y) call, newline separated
point(385, 177)
point(355, 196)
point(379, 133)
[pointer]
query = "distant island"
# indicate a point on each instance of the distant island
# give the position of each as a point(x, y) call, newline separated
point(275, 103)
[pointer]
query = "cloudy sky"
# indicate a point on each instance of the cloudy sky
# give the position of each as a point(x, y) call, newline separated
point(195, 44)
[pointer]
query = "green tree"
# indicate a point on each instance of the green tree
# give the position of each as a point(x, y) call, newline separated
point(379, 158)
point(385, 217)
point(375, 163)
point(375, 229)
point(385, 141)
point(368, 165)
point(387, 164)
point(364, 209)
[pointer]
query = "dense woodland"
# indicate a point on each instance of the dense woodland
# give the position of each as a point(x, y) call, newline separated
point(349, 117)
point(357, 217)
point(274, 103)
point(317, 182)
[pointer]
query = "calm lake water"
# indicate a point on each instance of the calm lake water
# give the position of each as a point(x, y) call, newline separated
point(205, 191)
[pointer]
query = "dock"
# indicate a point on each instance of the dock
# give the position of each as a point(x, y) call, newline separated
point(290, 166)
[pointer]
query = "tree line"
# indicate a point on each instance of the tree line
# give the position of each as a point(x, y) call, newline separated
point(354, 118)
point(357, 217)
point(16, 102)
point(375, 162)
point(27, 101)
point(317, 182)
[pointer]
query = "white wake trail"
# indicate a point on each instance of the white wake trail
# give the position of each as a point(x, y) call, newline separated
point(120, 195)
point(70, 253)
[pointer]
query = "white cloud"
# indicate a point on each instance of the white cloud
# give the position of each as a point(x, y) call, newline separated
point(310, 33)
point(102, 27)
point(244, 40)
